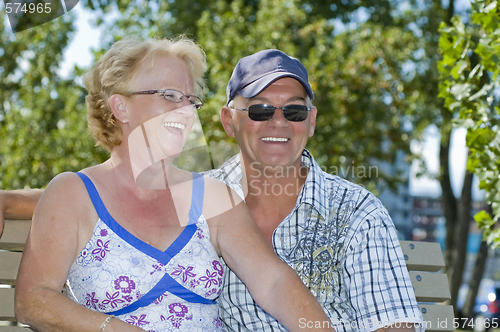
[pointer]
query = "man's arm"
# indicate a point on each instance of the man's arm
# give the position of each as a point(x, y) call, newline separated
point(18, 204)
point(376, 259)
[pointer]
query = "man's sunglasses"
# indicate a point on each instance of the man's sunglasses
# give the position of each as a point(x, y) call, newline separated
point(264, 112)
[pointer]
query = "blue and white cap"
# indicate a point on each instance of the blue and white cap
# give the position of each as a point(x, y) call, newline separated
point(256, 72)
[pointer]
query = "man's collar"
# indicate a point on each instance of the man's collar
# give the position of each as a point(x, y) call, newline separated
point(314, 191)
point(229, 172)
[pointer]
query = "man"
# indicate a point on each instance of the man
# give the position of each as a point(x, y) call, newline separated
point(336, 235)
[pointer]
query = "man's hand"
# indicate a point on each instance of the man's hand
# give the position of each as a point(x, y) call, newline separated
point(18, 204)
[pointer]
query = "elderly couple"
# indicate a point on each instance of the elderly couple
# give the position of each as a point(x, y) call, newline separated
point(323, 256)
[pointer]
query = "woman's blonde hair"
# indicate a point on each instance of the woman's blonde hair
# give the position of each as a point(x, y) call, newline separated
point(114, 72)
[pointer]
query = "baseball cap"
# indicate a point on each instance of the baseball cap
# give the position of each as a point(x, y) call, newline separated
point(256, 72)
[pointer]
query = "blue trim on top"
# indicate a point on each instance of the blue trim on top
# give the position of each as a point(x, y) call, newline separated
point(166, 283)
point(196, 198)
point(102, 212)
point(162, 256)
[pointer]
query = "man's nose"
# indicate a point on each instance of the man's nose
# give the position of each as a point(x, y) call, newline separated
point(278, 119)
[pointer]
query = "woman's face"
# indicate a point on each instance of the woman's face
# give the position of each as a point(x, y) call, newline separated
point(170, 121)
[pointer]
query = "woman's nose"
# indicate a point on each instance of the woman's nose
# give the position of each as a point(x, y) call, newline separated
point(187, 110)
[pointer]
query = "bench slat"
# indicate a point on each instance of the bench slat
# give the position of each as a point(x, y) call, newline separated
point(437, 317)
point(12, 246)
point(16, 231)
point(10, 264)
point(7, 304)
point(430, 286)
point(422, 256)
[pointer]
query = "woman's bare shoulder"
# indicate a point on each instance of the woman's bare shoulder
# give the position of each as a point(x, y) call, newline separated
point(66, 197)
point(219, 198)
point(63, 189)
point(62, 181)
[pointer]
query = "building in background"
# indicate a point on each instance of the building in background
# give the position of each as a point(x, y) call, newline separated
point(399, 203)
point(428, 222)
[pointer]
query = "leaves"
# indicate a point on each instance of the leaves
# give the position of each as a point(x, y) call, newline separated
point(366, 100)
point(460, 91)
point(374, 78)
point(42, 117)
point(469, 76)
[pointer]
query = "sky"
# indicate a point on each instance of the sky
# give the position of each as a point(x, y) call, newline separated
point(88, 37)
point(426, 186)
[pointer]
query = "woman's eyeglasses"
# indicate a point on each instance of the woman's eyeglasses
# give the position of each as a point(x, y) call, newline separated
point(264, 112)
point(172, 95)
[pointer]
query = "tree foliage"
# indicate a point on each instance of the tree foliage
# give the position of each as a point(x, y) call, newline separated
point(370, 107)
point(470, 71)
point(42, 116)
point(367, 104)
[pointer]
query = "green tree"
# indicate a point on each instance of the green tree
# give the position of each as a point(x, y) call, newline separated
point(366, 103)
point(42, 129)
point(348, 135)
point(470, 71)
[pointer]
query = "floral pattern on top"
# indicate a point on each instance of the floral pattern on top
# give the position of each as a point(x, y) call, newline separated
point(111, 274)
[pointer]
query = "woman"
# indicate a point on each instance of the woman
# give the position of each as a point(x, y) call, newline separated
point(150, 257)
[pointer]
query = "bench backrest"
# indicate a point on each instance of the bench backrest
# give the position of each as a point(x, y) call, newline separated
point(424, 260)
point(11, 247)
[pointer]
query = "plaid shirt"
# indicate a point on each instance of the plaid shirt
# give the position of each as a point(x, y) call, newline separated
point(342, 243)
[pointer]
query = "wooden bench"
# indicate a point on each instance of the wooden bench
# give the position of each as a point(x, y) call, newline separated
point(424, 260)
point(11, 247)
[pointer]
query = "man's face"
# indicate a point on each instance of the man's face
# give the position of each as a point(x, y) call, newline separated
point(277, 142)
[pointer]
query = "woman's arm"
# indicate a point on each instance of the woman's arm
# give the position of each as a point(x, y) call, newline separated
point(18, 204)
point(51, 248)
point(273, 284)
